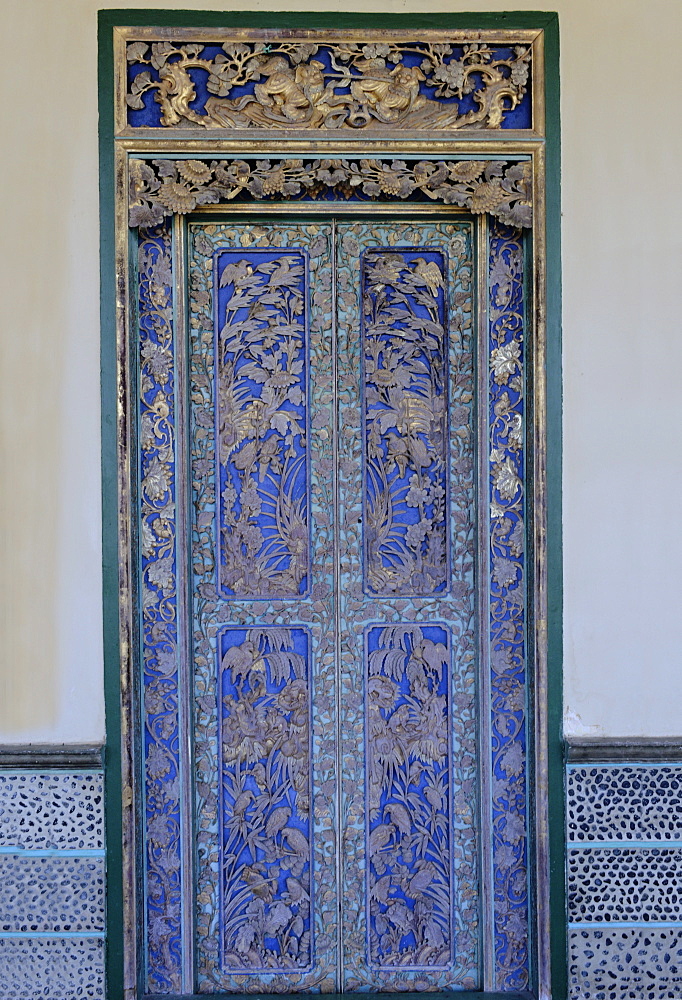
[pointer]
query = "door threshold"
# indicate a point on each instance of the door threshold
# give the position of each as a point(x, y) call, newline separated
point(445, 995)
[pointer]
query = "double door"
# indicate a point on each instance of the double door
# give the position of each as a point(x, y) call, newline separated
point(334, 733)
point(315, 771)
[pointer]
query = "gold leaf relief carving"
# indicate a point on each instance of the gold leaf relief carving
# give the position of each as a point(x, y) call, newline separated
point(347, 85)
point(165, 187)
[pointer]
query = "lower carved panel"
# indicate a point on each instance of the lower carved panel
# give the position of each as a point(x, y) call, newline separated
point(409, 851)
point(631, 963)
point(266, 797)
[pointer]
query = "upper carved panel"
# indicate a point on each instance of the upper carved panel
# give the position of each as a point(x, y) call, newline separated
point(374, 82)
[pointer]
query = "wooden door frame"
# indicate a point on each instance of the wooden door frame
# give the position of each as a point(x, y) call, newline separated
point(546, 623)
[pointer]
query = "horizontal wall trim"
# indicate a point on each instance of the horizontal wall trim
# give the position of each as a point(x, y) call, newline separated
point(615, 925)
point(466, 995)
point(593, 750)
point(74, 756)
point(616, 845)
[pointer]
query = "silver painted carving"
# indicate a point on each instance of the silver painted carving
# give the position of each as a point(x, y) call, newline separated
point(405, 396)
point(409, 796)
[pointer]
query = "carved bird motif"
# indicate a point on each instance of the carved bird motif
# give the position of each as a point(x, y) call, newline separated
point(380, 836)
point(419, 882)
point(296, 839)
point(400, 816)
point(427, 273)
point(241, 803)
point(259, 885)
point(243, 660)
point(434, 797)
point(277, 820)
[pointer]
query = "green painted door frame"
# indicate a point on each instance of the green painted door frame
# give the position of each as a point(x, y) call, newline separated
point(549, 23)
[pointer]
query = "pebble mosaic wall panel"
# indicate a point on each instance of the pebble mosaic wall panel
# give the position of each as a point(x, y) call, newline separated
point(624, 856)
point(623, 802)
point(54, 810)
point(52, 885)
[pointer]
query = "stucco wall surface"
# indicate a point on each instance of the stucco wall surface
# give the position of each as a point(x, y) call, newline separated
point(622, 140)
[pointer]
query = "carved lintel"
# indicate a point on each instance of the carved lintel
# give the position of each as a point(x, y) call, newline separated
point(166, 187)
point(313, 83)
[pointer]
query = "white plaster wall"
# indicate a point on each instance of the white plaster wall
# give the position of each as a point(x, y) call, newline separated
point(623, 358)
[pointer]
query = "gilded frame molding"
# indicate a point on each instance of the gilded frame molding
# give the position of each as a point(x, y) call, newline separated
point(527, 147)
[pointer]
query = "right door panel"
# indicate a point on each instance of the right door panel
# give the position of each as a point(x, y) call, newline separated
point(407, 520)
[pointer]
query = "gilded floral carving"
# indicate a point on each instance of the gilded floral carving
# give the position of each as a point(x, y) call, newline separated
point(265, 951)
point(507, 609)
point(159, 609)
point(265, 798)
point(306, 84)
point(409, 851)
point(220, 965)
point(164, 187)
point(261, 364)
point(369, 964)
point(405, 416)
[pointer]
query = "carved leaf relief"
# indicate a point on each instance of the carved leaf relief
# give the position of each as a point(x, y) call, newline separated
point(261, 423)
point(409, 855)
point(405, 417)
point(266, 798)
point(165, 187)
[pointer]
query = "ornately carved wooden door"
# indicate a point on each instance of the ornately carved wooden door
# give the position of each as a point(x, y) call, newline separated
point(332, 440)
point(330, 319)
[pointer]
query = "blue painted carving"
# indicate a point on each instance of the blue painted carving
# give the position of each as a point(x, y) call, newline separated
point(303, 83)
point(456, 607)
point(508, 678)
point(408, 796)
point(261, 422)
point(266, 797)
point(212, 613)
point(507, 608)
point(162, 831)
point(404, 346)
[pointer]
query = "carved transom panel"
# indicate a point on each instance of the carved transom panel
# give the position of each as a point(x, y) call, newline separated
point(331, 83)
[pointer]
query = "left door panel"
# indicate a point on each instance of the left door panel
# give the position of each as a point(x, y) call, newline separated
point(258, 353)
point(260, 371)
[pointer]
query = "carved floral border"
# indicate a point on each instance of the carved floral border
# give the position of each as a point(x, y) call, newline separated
point(158, 585)
point(508, 679)
point(160, 187)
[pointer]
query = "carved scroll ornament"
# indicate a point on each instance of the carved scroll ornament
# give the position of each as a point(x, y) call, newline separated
point(166, 187)
point(340, 85)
